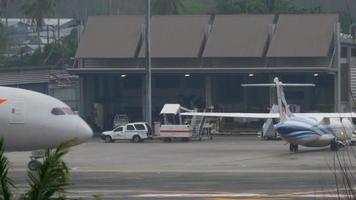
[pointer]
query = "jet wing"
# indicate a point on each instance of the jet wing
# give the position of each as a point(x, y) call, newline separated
point(326, 115)
point(236, 115)
point(269, 115)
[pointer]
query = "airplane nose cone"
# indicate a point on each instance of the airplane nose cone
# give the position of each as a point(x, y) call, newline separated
point(84, 131)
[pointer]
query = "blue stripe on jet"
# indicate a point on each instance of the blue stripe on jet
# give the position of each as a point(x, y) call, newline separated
point(301, 133)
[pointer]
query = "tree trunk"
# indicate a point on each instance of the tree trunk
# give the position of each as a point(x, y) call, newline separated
point(39, 39)
point(7, 29)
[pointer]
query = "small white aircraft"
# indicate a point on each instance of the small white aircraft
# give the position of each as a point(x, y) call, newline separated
point(306, 129)
point(32, 121)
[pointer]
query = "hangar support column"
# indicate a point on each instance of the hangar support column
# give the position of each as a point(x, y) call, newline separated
point(337, 84)
point(208, 91)
point(86, 96)
point(82, 109)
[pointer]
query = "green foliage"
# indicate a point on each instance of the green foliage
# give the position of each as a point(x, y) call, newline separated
point(167, 7)
point(50, 181)
point(239, 6)
point(52, 54)
point(37, 10)
point(2, 37)
point(193, 7)
point(255, 6)
point(5, 182)
point(70, 44)
point(98, 196)
point(283, 6)
point(3, 7)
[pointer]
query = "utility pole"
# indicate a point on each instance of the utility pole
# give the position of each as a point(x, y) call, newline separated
point(148, 64)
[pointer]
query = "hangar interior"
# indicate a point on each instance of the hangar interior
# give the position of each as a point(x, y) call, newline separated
point(201, 61)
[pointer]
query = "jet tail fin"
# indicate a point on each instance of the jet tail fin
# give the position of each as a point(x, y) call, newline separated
point(283, 107)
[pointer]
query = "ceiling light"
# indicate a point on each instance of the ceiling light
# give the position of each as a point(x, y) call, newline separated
point(187, 75)
point(316, 74)
point(123, 75)
point(251, 75)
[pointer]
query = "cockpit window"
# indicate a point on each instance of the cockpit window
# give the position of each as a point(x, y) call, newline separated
point(58, 111)
point(62, 111)
point(68, 111)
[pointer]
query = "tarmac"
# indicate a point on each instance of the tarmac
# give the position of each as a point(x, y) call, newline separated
point(227, 167)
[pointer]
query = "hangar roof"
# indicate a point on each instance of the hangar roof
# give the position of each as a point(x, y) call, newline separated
point(233, 36)
point(238, 36)
point(15, 77)
point(303, 36)
point(111, 37)
point(174, 36)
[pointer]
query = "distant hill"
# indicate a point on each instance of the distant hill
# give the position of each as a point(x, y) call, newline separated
point(82, 8)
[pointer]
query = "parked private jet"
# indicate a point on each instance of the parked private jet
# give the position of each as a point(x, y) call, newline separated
point(33, 121)
point(306, 129)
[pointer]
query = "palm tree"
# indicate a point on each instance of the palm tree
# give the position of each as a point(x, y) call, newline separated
point(167, 7)
point(36, 11)
point(53, 176)
point(48, 183)
point(5, 182)
point(4, 11)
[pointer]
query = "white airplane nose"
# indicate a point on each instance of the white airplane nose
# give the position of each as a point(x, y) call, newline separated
point(84, 132)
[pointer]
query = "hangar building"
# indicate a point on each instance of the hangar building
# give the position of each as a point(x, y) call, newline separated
point(201, 60)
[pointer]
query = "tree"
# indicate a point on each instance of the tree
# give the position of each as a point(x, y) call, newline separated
point(254, 6)
point(36, 11)
point(2, 37)
point(5, 182)
point(167, 7)
point(48, 183)
point(281, 6)
point(4, 12)
point(240, 6)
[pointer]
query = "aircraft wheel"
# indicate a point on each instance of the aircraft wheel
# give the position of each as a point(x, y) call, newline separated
point(167, 139)
point(108, 139)
point(34, 165)
point(334, 146)
point(293, 147)
point(136, 139)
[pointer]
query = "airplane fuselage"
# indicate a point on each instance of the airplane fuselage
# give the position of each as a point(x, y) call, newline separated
point(32, 121)
point(313, 132)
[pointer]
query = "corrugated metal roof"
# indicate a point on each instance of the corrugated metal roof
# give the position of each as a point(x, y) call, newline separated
point(24, 77)
point(177, 35)
point(238, 36)
point(303, 36)
point(110, 37)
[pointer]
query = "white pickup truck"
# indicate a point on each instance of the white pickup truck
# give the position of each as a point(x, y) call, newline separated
point(136, 132)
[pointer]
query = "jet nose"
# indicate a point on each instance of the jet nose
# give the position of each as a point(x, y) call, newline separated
point(84, 132)
point(283, 129)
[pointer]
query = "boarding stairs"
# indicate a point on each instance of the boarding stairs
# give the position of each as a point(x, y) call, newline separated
point(268, 131)
point(197, 125)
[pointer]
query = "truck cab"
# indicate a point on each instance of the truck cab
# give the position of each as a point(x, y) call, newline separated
point(136, 132)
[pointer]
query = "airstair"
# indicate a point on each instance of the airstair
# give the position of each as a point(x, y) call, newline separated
point(197, 125)
point(268, 131)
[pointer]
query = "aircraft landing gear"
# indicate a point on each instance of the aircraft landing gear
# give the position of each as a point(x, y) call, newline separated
point(293, 147)
point(34, 163)
point(334, 145)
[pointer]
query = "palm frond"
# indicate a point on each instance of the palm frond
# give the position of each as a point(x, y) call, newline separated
point(5, 181)
point(50, 181)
